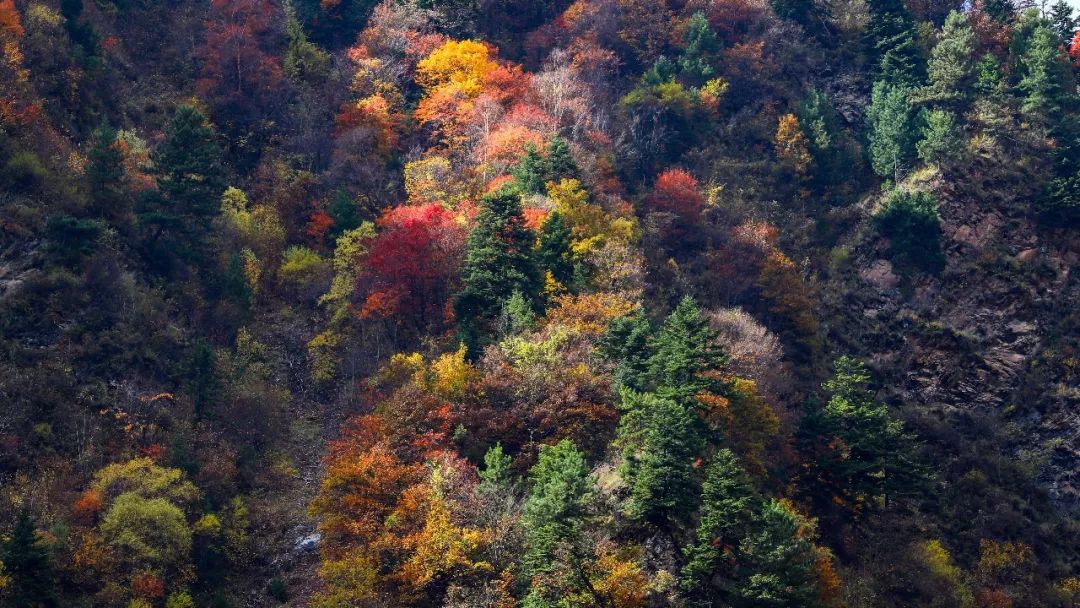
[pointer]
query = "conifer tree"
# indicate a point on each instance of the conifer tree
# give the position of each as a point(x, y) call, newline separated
point(777, 564)
point(660, 472)
point(530, 171)
point(941, 142)
point(190, 180)
point(687, 359)
point(695, 64)
point(1045, 83)
point(1061, 19)
point(728, 505)
point(345, 213)
point(628, 341)
point(498, 261)
point(105, 172)
point(812, 16)
point(951, 69)
point(892, 40)
point(553, 249)
point(29, 568)
point(892, 130)
point(560, 162)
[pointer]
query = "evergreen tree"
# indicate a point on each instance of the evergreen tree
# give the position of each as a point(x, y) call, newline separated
point(866, 455)
point(1046, 79)
point(344, 211)
point(560, 162)
point(778, 565)
point(1001, 11)
point(942, 141)
point(553, 249)
point(628, 341)
point(728, 505)
point(304, 60)
point(555, 512)
point(687, 358)
point(1061, 19)
point(660, 472)
point(892, 40)
point(496, 475)
point(105, 172)
point(28, 565)
point(951, 68)
point(695, 64)
point(892, 130)
point(531, 171)
point(812, 16)
point(190, 180)
point(499, 260)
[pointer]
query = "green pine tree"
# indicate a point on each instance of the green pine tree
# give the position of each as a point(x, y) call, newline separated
point(105, 172)
point(893, 130)
point(1062, 21)
point(777, 565)
point(892, 42)
point(560, 162)
point(345, 213)
point(942, 142)
point(553, 249)
point(687, 358)
point(628, 342)
point(304, 60)
point(952, 68)
point(1046, 78)
point(190, 180)
point(28, 565)
point(531, 171)
point(499, 260)
point(695, 64)
point(728, 505)
point(660, 471)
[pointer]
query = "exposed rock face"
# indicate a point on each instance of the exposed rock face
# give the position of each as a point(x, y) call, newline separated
point(996, 332)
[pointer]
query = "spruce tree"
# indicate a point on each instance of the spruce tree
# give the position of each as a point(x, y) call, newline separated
point(892, 42)
point(892, 130)
point(628, 342)
point(554, 516)
point(942, 142)
point(105, 172)
point(1046, 79)
point(498, 261)
point(531, 171)
point(1061, 19)
point(951, 69)
point(687, 359)
point(190, 180)
point(345, 213)
point(660, 472)
point(728, 505)
point(559, 163)
point(553, 249)
point(695, 64)
point(777, 565)
point(28, 565)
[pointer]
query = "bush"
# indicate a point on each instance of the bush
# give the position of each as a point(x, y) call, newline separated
point(24, 172)
point(911, 222)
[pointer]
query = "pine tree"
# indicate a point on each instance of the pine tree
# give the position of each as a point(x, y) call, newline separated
point(345, 213)
point(892, 130)
point(702, 45)
point(531, 171)
point(553, 249)
point(28, 565)
point(556, 509)
point(628, 341)
point(660, 472)
point(778, 565)
point(304, 60)
point(728, 505)
point(499, 260)
point(866, 455)
point(891, 38)
point(1061, 19)
point(496, 475)
point(190, 180)
point(942, 142)
point(559, 163)
point(687, 359)
point(951, 68)
point(1046, 79)
point(105, 172)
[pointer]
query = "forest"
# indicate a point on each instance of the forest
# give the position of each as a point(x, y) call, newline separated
point(539, 303)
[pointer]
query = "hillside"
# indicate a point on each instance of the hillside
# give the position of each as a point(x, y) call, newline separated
point(496, 303)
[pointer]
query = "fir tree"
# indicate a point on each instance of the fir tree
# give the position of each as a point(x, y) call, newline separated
point(942, 141)
point(778, 565)
point(628, 341)
point(892, 38)
point(190, 181)
point(559, 163)
point(1046, 79)
point(892, 130)
point(28, 565)
point(728, 505)
point(105, 172)
point(1062, 22)
point(344, 211)
point(553, 249)
point(499, 260)
point(701, 46)
point(687, 359)
point(304, 60)
point(661, 471)
point(531, 171)
point(951, 69)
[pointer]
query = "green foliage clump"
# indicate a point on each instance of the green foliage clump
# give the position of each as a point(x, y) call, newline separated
point(911, 221)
